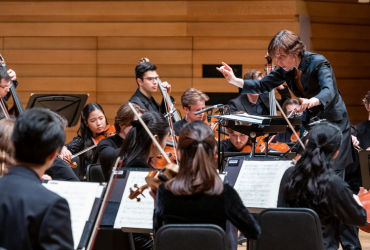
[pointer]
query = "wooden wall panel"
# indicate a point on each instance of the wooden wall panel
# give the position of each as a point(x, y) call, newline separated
point(143, 43)
point(340, 32)
point(58, 70)
point(48, 43)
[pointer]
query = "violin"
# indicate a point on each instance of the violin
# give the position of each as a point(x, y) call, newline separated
point(160, 162)
point(294, 138)
point(108, 132)
point(17, 108)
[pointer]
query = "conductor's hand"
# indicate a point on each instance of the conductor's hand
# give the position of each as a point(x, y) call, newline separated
point(65, 153)
point(12, 74)
point(229, 75)
point(355, 142)
point(166, 87)
point(308, 103)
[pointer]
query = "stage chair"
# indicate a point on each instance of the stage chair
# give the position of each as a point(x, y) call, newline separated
point(94, 173)
point(190, 236)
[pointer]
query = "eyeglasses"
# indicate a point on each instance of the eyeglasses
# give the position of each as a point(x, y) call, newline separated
point(5, 88)
point(152, 78)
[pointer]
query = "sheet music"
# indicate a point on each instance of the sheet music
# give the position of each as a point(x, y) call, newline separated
point(131, 213)
point(80, 197)
point(259, 181)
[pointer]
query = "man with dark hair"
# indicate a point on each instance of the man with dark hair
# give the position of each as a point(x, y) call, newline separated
point(31, 216)
point(257, 104)
point(6, 79)
point(147, 80)
point(192, 100)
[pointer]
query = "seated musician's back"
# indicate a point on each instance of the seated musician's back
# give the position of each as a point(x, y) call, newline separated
point(32, 217)
point(313, 184)
point(197, 195)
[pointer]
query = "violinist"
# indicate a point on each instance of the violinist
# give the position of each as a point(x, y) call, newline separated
point(6, 146)
point(192, 101)
point(197, 195)
point(31, 216)
point(147, 81)
point(6, 78)
point(362, 130)
point(93, 124)
point(288, 106)
point(313, 184)
point(136, 151)
point(237, 141)
point(311, 78)
point(256, 104)
point(108, 149)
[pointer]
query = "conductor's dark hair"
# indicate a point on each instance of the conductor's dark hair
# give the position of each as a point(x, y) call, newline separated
point(288, 42)
point(137, 143)
point(309, 183)
point(4, 75)
point(142, 68)
point(87, 135)
point(37, 134)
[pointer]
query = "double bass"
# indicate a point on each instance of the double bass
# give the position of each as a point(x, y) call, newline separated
point(17, 108)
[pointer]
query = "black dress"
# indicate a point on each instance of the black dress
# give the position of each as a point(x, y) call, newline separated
point(108, 151)
point(341, 207)
point(60, 171)
point(262, 107)
point(204, 209)
point(318, 81)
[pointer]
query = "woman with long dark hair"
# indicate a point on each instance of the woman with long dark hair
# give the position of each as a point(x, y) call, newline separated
point(137, 150)
point(313, 184)
point(93, 123)
point(197, 194)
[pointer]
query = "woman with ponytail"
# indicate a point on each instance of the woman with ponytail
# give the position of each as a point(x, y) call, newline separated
point(313, 184)
point(93, 123)
point(137, 150)
point(197, 194)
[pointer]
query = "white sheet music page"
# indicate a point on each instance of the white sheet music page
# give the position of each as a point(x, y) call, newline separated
point(80, 197)
point(259, 181)
point(133, 213)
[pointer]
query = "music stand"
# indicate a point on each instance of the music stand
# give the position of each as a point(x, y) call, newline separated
point(364, 157)
point(68, 106)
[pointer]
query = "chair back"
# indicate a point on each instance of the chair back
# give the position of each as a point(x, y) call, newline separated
point(289, 228)
point(190, 236)
point(94, 173)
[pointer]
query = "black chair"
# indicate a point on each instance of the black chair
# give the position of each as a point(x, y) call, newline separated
point(190, 236)
point(289, 228)
point(94, 173)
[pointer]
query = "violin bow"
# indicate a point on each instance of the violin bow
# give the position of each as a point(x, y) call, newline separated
point(149, 133)
point(289, 124)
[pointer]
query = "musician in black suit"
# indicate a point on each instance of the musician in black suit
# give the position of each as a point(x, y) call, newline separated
point(6, 78)
point(147, 81)
point(256, 104)
point(32, 217)
point(310, 77)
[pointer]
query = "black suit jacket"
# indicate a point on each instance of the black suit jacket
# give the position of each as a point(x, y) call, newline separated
point(60, 171)
point(32, 217)
point(318, 81)
point(143, 101)
point(242, 103)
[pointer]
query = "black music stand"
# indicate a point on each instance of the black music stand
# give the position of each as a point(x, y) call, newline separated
point(364, 157)
point(68, 106)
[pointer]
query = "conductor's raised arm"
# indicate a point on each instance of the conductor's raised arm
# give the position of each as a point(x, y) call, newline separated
point(228, 73)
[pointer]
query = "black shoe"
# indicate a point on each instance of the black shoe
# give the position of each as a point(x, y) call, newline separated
point(241, 239)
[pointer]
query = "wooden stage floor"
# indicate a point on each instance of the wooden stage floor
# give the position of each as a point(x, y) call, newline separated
point(364, 238)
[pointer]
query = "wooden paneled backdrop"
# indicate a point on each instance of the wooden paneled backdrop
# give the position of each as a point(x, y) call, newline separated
point(93, 46)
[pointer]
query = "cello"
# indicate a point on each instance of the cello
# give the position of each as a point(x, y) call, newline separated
point(17, 108)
